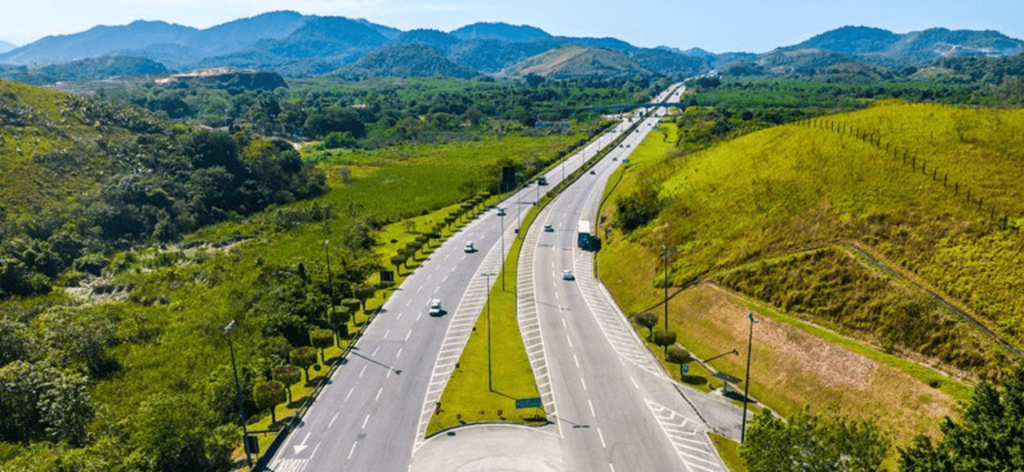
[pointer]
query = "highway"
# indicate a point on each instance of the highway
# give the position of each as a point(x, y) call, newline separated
point(615, 408)
point(373, 413)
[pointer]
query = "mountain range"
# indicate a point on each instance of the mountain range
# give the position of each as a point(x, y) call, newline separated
point(297, 45)
point(5, 46)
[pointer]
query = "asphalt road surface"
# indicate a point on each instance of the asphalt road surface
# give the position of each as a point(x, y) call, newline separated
point(372, 414)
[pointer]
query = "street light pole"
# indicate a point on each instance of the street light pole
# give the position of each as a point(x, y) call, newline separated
point(502, 217)
point(238, 391)
point(746, 384)
point(519, 212)
point(490, 385)
point(665, 250)
point(330, 288)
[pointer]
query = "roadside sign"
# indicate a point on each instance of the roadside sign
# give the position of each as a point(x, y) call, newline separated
point(728, 378)
point(528, 403)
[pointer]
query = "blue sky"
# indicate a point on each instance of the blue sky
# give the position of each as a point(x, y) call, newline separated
point(715, 25)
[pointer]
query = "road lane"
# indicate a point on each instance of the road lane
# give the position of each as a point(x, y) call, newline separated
point(377, 422)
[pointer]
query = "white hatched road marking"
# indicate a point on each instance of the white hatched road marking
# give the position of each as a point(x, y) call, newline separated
point(613, 323)
point(289, 465)
point(688, 438)
point(528, 314)
point(455, 339)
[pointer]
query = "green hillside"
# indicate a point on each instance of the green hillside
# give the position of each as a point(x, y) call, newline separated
point(774, 215)
point(82, 177)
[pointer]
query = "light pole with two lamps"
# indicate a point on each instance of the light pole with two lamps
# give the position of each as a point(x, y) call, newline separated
point(502, 216)
point(490, 385)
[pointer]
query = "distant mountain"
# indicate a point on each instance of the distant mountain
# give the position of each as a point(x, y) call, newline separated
point(606, 43)
point(438, 41)
point(405, 60)
point(318, 47)
point(85, 69)
point(884, 48)
point(502, 31)
point(159, 41)
point(385, 31)
point(669, 63)
point(98, 41)
point(296, 45)
point(493, 55)
point(572, 62)
point(851, 40)
point(5, 46)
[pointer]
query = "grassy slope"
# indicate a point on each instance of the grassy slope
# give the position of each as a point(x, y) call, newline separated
point(781, 189)
point(202, 292)
point(36, 122)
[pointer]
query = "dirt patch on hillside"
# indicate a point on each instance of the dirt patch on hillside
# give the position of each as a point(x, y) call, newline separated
point(791, 368)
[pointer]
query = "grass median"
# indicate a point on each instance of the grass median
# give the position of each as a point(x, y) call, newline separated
point(472, 397)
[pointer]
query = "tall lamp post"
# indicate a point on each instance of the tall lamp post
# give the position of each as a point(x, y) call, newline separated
point(490, 386)
point(238, 390)
point(519, 211)
point(502, 216)
point(330, 283)
point(746, 382)
point(664, 249)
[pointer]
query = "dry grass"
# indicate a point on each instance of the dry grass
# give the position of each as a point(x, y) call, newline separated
point(791, 368)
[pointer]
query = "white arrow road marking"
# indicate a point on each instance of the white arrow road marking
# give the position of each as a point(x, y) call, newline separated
point(301, 447)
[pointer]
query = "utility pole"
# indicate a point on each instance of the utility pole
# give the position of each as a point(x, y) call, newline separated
point(746, 381)
point(238, 390)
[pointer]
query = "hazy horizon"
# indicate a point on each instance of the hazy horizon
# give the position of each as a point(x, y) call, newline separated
point(742, 25)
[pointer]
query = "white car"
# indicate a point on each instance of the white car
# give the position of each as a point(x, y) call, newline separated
point(567, 275)
point(435, 308)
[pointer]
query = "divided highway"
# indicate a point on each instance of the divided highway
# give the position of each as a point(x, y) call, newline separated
point(371, 414)
point(613, 404)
